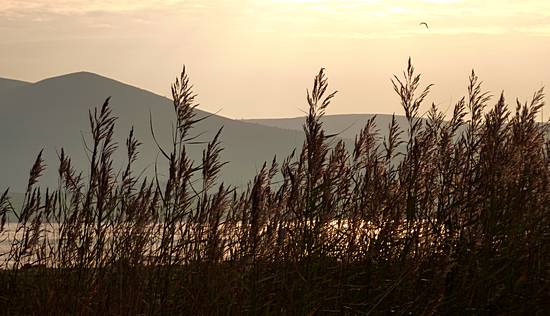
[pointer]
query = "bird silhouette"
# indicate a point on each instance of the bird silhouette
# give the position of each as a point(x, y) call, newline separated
point(425, 24)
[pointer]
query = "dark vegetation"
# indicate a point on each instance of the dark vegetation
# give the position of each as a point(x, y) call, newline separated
point(456, 223)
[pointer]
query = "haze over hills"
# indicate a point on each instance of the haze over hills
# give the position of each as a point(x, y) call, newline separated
point(347, 126)
point(53, 113)
point(8, 84)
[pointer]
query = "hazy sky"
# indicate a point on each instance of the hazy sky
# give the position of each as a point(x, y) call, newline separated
point(255, 58)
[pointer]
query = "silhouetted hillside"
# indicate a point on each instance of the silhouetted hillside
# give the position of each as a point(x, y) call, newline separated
point(346, 125)
point(53, 113)
point(8, 84)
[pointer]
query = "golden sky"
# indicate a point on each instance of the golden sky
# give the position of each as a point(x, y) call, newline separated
point(255, 58)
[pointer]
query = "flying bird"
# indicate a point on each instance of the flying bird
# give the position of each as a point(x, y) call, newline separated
point(425, 24)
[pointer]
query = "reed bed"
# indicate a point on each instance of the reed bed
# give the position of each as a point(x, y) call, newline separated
point(448, 216)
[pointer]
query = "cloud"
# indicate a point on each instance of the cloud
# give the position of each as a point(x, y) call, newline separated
point(21, 7)
point(318, 18)
point(366, 19)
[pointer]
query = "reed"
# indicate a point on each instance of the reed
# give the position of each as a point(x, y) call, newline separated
point(449, 215)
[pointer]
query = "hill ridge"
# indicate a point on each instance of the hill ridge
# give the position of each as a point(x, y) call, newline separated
point(53, 114)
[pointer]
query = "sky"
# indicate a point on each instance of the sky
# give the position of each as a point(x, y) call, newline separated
point(256, 58)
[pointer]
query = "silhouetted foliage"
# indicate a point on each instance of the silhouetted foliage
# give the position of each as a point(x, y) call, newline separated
point(456, 222)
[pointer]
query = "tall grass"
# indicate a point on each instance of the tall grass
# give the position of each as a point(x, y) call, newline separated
point(448, 216)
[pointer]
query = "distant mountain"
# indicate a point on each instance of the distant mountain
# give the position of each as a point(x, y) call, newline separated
point(347, 126)
point(53, 113)
point(8, 84)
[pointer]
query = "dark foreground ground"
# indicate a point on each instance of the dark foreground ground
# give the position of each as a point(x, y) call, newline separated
point(496, 287)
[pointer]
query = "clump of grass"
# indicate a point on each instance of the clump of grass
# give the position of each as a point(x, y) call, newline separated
point(447, 216)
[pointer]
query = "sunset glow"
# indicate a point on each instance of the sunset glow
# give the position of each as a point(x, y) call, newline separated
point(279, 43)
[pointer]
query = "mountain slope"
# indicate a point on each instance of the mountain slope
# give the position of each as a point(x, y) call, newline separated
point(8, 84)
point(347, 126)
point(53, 113)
